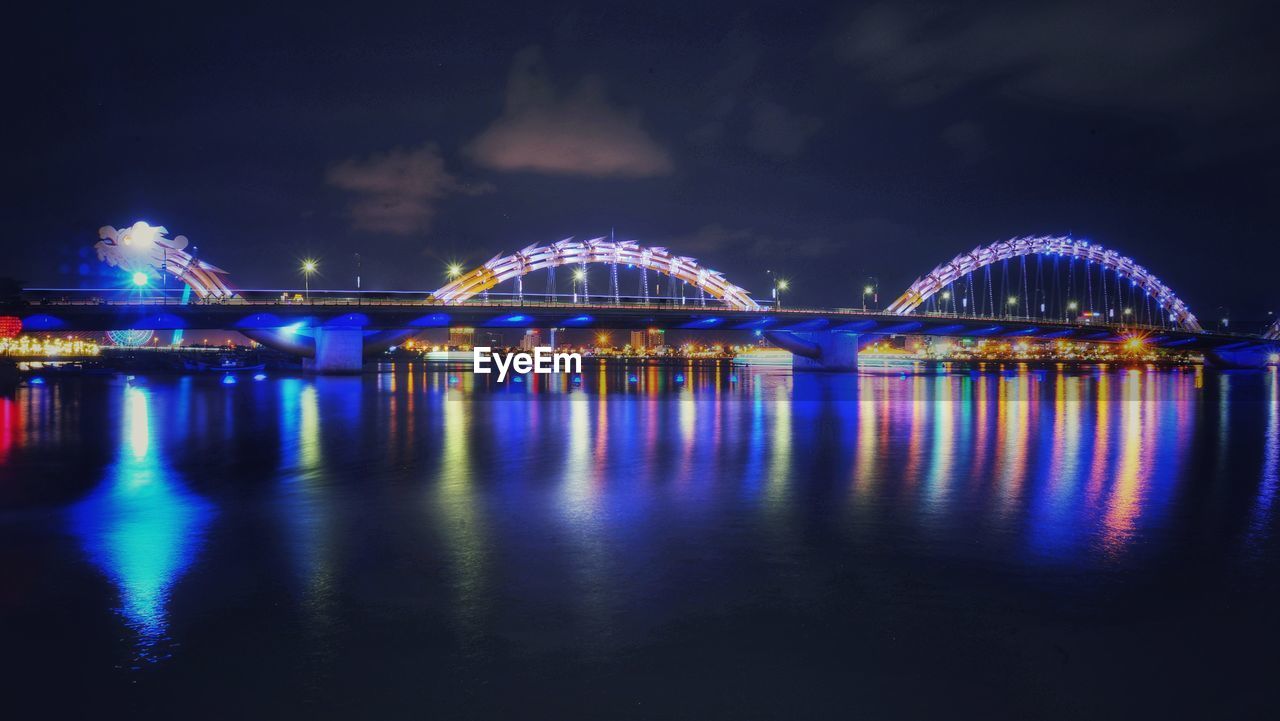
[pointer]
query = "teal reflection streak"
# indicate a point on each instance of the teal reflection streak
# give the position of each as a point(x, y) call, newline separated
point(142, 528)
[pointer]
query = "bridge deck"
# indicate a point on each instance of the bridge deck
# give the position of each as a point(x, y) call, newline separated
point(86, 313)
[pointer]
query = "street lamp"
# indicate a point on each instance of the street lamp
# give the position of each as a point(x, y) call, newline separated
point(454, 270)
point(780, 286)
point(308, 267)
point(1013, 303)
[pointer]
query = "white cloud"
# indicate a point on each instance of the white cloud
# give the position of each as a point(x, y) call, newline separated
point(578, 134)
point(397, 191)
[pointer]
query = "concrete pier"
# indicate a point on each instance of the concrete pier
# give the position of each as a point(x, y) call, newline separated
point(824, 351)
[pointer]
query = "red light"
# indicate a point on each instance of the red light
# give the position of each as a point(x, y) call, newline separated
point(10, 326)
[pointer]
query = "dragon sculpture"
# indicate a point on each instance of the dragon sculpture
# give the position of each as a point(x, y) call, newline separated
point(143, 248)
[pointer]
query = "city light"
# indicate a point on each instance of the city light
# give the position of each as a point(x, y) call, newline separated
point(30, 346)
point(308, 267)
point(454, 270)
point(1013, 300)
point(579, 274)
point(140, 279)
point(783, 284)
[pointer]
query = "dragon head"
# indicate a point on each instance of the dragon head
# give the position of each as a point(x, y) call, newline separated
point(139, 248)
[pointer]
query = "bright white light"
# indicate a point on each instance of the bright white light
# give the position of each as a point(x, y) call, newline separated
point(139, 279)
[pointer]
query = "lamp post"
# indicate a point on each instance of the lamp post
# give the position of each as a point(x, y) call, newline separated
point(946, 296)
point(579, 275)
point(781, 285)
point(1013, 305)
point(866, 291)
point(308, 267)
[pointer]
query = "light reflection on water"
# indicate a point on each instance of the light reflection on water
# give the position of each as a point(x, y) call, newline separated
point(616, 506)
point(142, 527)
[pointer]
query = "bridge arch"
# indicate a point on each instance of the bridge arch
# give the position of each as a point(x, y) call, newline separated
point(597, 250)
point(943, 276)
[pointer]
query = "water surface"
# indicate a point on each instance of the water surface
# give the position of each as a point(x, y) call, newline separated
point(662, 542)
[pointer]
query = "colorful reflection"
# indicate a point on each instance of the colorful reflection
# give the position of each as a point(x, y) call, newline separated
point(142, 527)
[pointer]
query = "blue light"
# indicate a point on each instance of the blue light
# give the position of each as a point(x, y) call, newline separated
point(228, 380)
point(259, 376)
point(576, 380)
point(36, 381)
point(632, 379)
point(679, 378)
point(453, 380)
point(733, 377)
point(142, 528)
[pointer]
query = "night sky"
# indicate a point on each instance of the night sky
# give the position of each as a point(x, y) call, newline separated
point(826, 142)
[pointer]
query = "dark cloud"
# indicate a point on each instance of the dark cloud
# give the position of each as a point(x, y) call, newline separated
point(578, 134)
point(967, 139)
point(1192, 58)
point(716, 240)
point(397, 191)
point(778, 132)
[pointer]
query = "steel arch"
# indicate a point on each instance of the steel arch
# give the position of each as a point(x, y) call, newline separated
point(943, 275)
point(597, 250)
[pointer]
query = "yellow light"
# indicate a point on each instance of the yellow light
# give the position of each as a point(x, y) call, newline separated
point(867, 290)
point(1013, 300)
point(602, 338)
point(579, 274)
point(455, 270)
point(308, 266)
point(783, 285)
point(1133, 344)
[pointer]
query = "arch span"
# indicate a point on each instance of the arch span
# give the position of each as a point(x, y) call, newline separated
point(597, 250)
point(955, 269)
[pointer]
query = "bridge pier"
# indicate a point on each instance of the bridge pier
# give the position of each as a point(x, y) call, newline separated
point(338, 350)
point(819, 350)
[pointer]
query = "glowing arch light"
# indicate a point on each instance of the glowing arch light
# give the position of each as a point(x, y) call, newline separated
point(599, 250)
point(965, 263)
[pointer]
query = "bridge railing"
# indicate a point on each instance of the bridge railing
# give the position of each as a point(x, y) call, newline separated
point(280, 298)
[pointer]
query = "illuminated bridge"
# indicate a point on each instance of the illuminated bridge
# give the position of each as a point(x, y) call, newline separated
point(1028, 288)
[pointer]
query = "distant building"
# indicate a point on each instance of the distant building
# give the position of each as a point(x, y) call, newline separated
point(462, 338)
point(655, 338)
point(638, 341)
point(532, 339)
